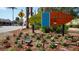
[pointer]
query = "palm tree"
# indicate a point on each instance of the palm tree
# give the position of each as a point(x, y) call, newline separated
point(12, 11)
point(27, 16)
point(31, 11)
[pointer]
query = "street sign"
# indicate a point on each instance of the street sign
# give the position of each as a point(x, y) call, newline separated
point(45, 19)
point(21, 14)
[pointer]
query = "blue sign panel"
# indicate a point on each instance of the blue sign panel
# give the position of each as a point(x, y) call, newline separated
point(45, 19)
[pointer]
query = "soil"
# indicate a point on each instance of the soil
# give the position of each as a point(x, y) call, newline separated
point(13, 45)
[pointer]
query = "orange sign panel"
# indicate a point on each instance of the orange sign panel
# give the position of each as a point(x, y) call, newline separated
point(59, 18)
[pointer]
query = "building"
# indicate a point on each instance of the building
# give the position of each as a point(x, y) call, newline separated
point(5, 22)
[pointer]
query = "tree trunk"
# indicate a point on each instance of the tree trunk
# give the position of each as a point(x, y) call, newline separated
point(33, 30)
point(31, 11)
point(27, 17)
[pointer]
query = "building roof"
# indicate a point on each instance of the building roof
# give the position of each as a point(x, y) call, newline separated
point(4, 20)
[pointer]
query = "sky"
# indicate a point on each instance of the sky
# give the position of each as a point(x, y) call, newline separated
point(6, 13)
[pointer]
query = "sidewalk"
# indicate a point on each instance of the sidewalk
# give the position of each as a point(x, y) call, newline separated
point(4, 29)
point(73, 30)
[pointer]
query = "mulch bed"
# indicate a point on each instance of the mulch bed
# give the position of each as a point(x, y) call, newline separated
point(22, 46)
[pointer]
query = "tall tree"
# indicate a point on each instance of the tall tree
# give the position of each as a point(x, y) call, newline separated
point(27, 17)
point(31, 11)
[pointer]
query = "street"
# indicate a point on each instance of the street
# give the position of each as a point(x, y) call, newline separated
point(4, 29)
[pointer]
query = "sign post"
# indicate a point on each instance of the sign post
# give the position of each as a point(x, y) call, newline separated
point(63, 26)
point(60, 18)
point(21, 15)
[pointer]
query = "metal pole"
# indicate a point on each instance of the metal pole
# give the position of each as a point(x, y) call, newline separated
point(63, 26)
point(13, 14)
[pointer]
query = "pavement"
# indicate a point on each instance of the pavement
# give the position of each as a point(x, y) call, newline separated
point(73, 30)
point(4, 29)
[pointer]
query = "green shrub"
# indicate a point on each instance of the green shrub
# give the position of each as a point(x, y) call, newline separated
point(59, 35)
point(53, 46)
point(46, 29)
point(59, 28)
point(43, 29)
point(51, 29)
point(49, 37)
point(38, 45)
point(16, 42)
point(37, 26)
point(74, 40)
point(20, 46)
point(17, 38)
point(66, 45)
point(20, 34)
point(66, 27)
point(53, 40)
point(29, 49)
point(38, 38)
point(66, 37)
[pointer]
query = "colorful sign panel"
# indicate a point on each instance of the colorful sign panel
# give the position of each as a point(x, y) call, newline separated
point(45, 19)
point(59, 18)
point(55, 18)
